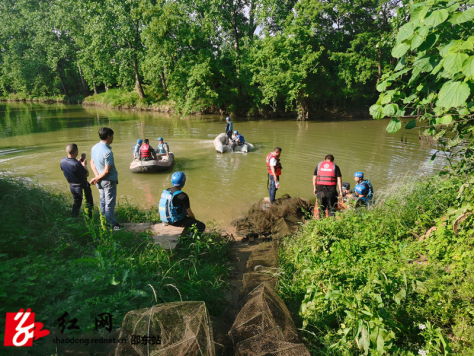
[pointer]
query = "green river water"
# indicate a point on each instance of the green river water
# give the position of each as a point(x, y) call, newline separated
point(221, 186)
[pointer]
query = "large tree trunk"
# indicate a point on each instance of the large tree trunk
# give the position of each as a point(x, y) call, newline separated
point(106, 87)
point(83, 82)
point(164, 82)
point(138, 84)
point(379, 65)
point(95, 87)
point(252, 27)
point(60, 75)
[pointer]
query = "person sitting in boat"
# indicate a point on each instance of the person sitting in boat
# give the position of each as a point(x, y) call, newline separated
point(162, 148)
point(136, 149)
point(174, 206)
point(362, 192)
point(146, 151)
point(359, 179)
point(238, 139)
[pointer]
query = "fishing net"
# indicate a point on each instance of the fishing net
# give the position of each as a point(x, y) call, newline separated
point(279, 219)
point(262, 310)
point(170, 329)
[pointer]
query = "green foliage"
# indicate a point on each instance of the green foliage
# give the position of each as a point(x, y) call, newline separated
point(433, 80)
point(53, 263)
point(394, 279)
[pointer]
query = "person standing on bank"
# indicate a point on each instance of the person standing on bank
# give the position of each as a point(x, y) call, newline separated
point(106, 176)
point(229, 129)
point(76, 174)
point(274, 170)
point(326, 177)
point(174, 206)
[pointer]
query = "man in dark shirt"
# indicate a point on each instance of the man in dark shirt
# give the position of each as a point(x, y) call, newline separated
point(76, 174)
point(326, 177)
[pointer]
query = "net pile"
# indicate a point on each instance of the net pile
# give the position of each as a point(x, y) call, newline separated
point(264, 326)
point(184, 329)
point(279, 219)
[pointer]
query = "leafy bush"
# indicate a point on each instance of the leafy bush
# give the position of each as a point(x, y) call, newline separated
point(394, 279)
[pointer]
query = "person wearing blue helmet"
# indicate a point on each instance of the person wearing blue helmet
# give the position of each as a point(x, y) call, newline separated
point(162, 148)
point(229, 128)
point(238, 139)
point(361, 192)
point(136, 149)
point(359, 179)
point(174, 206)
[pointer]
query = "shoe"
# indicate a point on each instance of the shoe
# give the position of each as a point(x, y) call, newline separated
point(118, 227)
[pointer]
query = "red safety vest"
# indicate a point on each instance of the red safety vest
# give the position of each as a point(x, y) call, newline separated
point(145, 151)
point(326, 173)
point(278, 167)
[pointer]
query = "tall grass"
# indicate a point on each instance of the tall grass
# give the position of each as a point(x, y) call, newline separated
point(53, 263)
point(124, 99)
point(395, 279)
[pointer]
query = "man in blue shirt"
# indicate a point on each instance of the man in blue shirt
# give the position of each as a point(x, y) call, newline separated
point(106, 176)
point(76, 174)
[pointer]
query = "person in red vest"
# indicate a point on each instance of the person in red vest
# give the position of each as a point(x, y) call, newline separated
point(274, 170)
point(146, 151)
point(326, 177)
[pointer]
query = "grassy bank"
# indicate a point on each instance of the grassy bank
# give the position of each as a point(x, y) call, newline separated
point(52, 263)
point(123, 99)
point(395, 279)
point(73, 99)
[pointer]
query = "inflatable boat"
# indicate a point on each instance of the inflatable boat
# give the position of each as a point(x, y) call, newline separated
point(221, 147)
point(161, 164)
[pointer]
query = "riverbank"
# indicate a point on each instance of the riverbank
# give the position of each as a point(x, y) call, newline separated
point(396, 278)
point(120, 99)
point(53, 263)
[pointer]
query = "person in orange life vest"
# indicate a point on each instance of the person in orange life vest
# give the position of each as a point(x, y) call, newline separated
point(326, 177)
point(146, 151)
point(274, 170)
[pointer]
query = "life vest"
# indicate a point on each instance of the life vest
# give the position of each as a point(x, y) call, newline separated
point(370, 194)
point(278, 167)
point(326, 173)
point(229, 126)
point(161, 148)
point(241, 138)
point(169, 212)
point(145, 151)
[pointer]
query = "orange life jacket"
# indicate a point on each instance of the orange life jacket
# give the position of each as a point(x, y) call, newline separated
point(145, 151)
point(278, 166)
point(326, 173)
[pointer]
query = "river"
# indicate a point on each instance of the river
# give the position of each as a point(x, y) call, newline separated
point(221, 186)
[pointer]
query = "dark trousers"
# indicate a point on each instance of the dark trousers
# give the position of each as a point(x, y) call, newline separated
point(327, 199)
point(229, 134)
point(77, 190)
point(272, 188)
point(188, 222)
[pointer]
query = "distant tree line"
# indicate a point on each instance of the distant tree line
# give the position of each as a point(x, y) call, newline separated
point(239, 56)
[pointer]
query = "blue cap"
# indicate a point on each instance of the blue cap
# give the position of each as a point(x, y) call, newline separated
point(227, 119)
point(359, 174)
point(235, 132)
point(139, 140)
point(178, 179)
point(362, 189)
point(160, 139)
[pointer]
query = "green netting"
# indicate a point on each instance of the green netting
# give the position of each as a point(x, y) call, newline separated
point(184, 328)
point(279, 219)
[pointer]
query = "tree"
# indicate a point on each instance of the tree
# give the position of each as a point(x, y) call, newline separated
point(432, 83)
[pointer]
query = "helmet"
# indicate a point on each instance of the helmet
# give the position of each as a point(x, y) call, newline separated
point(139, 140)
point(235, 132)
point(228, 119)
point(160, 139)
point(362, 189)
point(178, 179)
point(359, 174)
